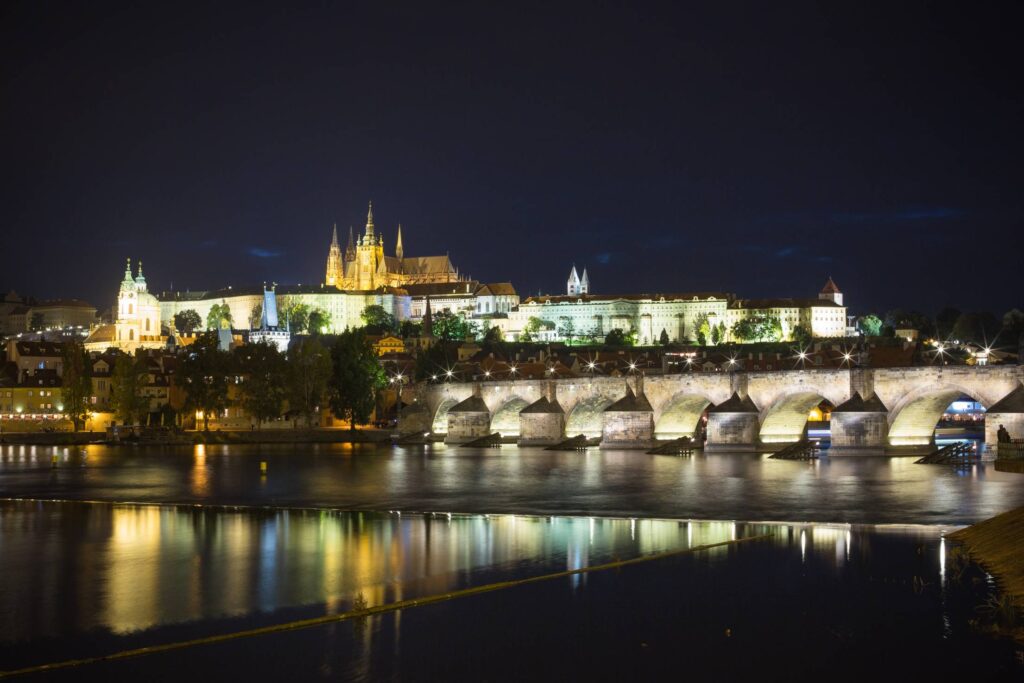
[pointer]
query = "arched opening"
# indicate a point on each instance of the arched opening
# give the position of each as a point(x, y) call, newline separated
point(506, 419)
point(131, 335)
point(147, 324)
point(130, 309)
point(440, 424)
point(787, 417)
point(587, 417)
point(681, 416)
point(943, 414)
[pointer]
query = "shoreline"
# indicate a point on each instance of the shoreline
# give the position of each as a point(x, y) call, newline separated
point(191, 438)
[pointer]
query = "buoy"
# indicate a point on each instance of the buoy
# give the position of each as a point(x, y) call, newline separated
point(263, 467)
point(53, 460)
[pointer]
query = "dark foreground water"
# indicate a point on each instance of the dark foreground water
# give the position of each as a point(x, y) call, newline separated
point(508, 479)
point(809, 602)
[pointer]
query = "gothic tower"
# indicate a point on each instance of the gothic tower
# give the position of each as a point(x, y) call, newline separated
point(399, 251)
point(335, 273)
point(369, 257)
point(572, 285)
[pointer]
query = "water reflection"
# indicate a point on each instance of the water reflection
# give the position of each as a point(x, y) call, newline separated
point(74, 567)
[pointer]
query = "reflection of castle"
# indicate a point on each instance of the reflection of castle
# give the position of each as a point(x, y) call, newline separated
point(364, 267)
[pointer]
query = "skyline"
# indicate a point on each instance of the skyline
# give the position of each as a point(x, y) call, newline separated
point(661, 149)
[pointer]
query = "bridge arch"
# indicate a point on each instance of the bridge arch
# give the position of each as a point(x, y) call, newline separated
point(587, 416)
point(784, 420)
point(680, 415)
point(440, 423)
point(506, 418)
point(914, 417)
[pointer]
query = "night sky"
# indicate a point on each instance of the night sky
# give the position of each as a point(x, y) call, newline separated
point(670, 148)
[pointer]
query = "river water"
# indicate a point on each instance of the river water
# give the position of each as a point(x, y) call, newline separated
point(855, 581)
point(750, 487)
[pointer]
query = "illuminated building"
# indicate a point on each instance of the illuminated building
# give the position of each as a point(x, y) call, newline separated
point(679, 316)
point(138, 323)
point(365, 267)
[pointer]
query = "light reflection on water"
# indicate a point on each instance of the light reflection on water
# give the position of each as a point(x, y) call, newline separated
point(74, 567)
point(509, 479)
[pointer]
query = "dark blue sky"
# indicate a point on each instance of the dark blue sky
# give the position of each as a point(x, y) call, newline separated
point(752, 149)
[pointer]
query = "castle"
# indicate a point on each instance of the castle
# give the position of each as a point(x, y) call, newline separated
point(363, 267)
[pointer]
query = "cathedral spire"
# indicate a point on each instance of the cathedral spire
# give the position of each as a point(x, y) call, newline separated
point(334, 237)
point(428, 321)
point(399, 251)
point(128, 271)
point(350, 250)
point(369, 222)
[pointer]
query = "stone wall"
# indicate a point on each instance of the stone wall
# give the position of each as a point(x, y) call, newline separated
point(859, 431)
point(541, 429)
point(634, 429)
point(732, 431)
point(466, 426)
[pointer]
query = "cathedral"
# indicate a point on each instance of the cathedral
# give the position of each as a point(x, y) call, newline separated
point(363, 267)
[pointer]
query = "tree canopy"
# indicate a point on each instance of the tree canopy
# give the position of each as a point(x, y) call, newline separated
point(870, 325)
point(127, 383)
point(758, 328)
point(309, 369)
point(203, 374)
point(219, 313)
point(356, 376)
point(187, 321)
point(76, 382)
point(378, 321)
point(263, 371)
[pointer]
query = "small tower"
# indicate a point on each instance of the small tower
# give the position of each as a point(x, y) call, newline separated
point(335, 274)
point(585, 283)
point(399, 251)
point(350, 250)
point(830, 292)
point(572, 285)
point(369, 234)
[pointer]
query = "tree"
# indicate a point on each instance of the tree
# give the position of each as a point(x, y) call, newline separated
point(717, 332)
point(75, 382)
point(127, 383)
point(356, 376)
point(219, 313)
point(945, 320)
point(451, 327)
point(256, 316)
point(297, 315)
point(802, 336)
point(309, 367)
point(663, 337)
point(910, 320)
point(187, 321)
point(1013, 324)
point(203, 375)
point(980, 328)
point(410, 329)
point(870, 325)
point(531, 328)
point(263, 386)
point(758, 328)
point(492, 335)
point(36, 321)
point(378, 320)
point(703, 327)
point(618, 337)
point(432, 362)
point(567, 330)
point(318, 321)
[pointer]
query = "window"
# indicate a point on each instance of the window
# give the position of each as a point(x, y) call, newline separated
point(129, 309)
point(131, 335)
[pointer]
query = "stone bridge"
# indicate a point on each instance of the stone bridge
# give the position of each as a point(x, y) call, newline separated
point(875, 408)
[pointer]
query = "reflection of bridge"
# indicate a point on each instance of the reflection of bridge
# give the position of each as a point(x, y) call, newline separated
point(874, 407)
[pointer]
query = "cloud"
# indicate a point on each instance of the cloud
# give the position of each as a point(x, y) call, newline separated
point(263, 253)
point(604, 258)
point(209, 244)
point(786, 251)
point(900, 216)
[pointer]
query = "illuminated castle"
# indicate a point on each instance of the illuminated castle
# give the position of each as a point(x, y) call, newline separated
point(363, 267)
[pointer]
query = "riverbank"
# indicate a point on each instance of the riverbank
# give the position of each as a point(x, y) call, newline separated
point(213, 437)
point(998, 545)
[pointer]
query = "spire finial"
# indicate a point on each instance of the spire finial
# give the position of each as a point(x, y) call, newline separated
point(334, 236)
point(369, 221)
point(399, 250)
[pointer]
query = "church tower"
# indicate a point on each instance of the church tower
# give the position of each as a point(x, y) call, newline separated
point(335, 273)
point(585, 283)
point(350, 250)
point(369, 256)
point(830, 292)
point(399, 251)
point(572, 285)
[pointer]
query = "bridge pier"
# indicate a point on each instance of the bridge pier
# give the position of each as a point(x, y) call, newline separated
point(629, 422)
point(542, 423)
point(1008, 413)
point(733, 425)
point(859, 425)
point(468, 420)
